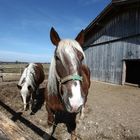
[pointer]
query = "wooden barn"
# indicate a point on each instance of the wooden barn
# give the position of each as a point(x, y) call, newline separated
point(112, 43)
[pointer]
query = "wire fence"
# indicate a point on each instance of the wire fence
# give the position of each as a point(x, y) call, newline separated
point(18, 68)
point(14, 72)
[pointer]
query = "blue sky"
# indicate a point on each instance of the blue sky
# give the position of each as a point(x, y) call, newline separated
point(25, 25)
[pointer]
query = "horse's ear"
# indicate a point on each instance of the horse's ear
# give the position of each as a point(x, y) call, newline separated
point(19, 87)
point(54, 37)
point(80, 38)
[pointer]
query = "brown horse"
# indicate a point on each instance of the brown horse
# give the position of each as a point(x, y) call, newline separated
point(32, 76)
point(68, 82)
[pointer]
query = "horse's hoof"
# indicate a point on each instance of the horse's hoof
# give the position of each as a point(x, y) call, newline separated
point(32, 113)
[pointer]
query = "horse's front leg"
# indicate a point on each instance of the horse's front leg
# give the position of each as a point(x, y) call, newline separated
point(82, 112)
point(51, 120)
point(71, 127)
point(33, 102)
point(73, 135)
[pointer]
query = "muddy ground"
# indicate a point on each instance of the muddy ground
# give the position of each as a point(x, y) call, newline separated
point(112, 113)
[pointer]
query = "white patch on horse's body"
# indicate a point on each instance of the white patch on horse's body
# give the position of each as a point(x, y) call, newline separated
point(27, 79)
point(23, 76)
point(76, 100)
point(67, 47)
point(28, 74)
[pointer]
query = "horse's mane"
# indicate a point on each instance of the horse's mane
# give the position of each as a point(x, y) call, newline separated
point(65, 46)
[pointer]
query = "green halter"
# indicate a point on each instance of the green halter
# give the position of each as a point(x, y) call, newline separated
point(70, 77)
point(77, 77)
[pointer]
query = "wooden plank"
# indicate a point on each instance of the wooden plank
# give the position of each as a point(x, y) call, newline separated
point(11, 130)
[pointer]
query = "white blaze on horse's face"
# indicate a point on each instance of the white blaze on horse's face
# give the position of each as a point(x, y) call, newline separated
point(76, 101)
point(25, 94)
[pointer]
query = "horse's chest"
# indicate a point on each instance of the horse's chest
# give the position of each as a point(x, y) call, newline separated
point(64, 117)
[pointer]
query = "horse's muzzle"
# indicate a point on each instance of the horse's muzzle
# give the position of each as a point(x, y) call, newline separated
point(76, 109)
point(26, 107)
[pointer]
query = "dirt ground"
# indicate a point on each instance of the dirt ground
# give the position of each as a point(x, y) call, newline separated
point(112, 113)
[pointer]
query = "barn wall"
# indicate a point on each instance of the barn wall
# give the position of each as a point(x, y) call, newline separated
point(105, 60)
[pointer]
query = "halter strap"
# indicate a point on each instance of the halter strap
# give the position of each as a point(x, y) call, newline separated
point(69, 78)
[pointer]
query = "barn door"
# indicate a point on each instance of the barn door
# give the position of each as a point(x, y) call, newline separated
point(132, 69)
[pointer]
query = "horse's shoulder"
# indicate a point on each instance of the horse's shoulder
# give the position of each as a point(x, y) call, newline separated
point(85, 70)
point(53, 102)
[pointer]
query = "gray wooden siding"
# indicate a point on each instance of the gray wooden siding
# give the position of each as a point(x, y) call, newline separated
point(106, 60)
point(125, 24)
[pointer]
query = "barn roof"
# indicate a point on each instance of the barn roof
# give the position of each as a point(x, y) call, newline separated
point(115, 7)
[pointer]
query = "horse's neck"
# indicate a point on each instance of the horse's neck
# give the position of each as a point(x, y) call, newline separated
point(30, 79)
point(23, 76)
